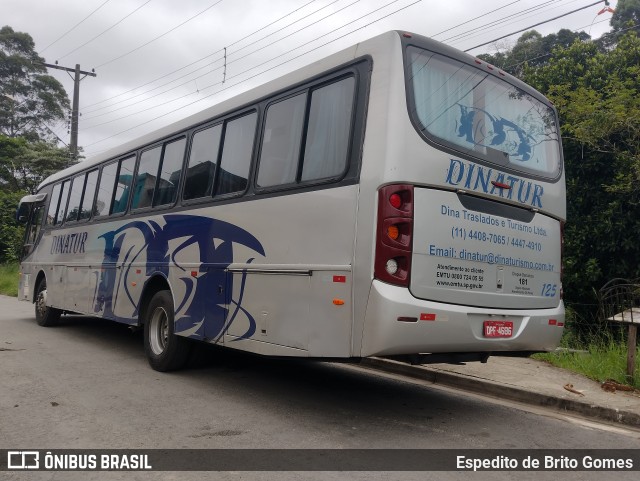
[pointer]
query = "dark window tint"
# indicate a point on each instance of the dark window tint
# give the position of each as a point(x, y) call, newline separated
point(202, 163)
point(281, 142)
point(236, 154)
point(53, 205)
point(63, 202)
point(170, 173)
point(105, 190)
point(123, 185)
point(35, 225)
point(89, 193)
point(328, 131)
point(74, 198)
point(145, 183)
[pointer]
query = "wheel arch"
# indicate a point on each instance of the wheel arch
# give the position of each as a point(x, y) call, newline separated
point(39, 278)
point(156, 283)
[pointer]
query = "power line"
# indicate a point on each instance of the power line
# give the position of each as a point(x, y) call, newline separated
point(493, 23)
point(200, 59)
point(234, 53)
point(506, 68)
point(210, 64)
point(537, 24)
point(217, 68)
point(245, 71)
point(104, 31)
point(266, 70)
point(73, 28)
point(159, 36)
point(475, 18)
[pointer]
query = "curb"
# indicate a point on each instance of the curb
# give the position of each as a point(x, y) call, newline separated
point(501, 391)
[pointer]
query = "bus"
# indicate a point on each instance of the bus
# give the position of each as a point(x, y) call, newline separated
point(398, 198)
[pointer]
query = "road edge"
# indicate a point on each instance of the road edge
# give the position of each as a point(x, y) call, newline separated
point(501, 391)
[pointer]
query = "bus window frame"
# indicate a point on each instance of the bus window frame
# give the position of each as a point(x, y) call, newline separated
point(84, 186)
point(84, 192)
point(162, 143)
point(201, 128)
point(450, 148)
point(254, 108)
point(309, 88)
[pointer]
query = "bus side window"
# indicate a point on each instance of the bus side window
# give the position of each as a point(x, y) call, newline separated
point(328, 130)
point(146, 177)
point(63, 202)
point(35, 225)
point(239, 136)
point(170, 170)
point(105, 190)
point(53, 205)
point(281, 142)
point(77, 186)
point(89, 193)
point(123, 185)
point(203, 160)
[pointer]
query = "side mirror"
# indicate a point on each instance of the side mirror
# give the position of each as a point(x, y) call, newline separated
point(26, 203)
point(22, 214)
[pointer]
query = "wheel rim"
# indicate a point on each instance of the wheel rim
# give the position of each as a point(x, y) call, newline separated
point(41, 303)
point(159, 331)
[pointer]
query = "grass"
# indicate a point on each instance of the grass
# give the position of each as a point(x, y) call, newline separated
point(601, 361)
point(9, 279)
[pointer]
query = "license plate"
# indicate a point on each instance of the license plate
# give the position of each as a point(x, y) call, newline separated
point(498, 328)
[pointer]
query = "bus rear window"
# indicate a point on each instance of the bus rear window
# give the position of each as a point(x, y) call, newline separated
point(471, 111)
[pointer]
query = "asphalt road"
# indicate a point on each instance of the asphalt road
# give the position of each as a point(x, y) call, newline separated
point(86, 384)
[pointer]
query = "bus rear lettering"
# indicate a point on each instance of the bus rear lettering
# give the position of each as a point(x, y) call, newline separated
point(479, 179)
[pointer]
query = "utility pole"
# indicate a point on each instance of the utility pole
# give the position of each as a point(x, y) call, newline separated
point(73, 144)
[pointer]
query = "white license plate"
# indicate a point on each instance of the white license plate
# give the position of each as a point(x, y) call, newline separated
point(498, 328)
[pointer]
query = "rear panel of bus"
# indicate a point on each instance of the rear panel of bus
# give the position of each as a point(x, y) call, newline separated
point(463, 173)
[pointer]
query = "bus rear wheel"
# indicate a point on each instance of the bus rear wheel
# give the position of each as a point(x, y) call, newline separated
point(165, 351)
point(45, 316)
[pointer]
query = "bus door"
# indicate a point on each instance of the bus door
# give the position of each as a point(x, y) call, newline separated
point(30, 212)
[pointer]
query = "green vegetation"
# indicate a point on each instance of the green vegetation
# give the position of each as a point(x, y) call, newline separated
point(600, 362)
point(9, 279)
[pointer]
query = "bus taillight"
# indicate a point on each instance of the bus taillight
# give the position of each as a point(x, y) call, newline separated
point(394, 234)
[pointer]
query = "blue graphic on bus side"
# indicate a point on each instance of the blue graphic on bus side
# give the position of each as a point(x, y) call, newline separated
point(202, 312)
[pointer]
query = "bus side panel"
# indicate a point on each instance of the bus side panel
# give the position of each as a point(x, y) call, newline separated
point(76, 288)
point(276, 309)
point(287, 296)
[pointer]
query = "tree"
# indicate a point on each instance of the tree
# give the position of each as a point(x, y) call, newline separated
point(23, 165)
point(627, 14)
point(11, 233)
point(29, 98)
point(597, 95)
point(533, 50)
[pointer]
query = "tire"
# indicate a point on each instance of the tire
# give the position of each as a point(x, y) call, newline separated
point(45, 316)
point(165, 351)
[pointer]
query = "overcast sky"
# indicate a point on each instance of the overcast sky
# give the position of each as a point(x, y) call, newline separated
point(133, 43)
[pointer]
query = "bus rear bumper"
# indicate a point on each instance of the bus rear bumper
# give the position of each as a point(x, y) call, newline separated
point(398, 323)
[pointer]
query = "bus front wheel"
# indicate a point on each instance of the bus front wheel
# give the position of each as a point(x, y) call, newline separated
point(45, 316)
point(165, 351)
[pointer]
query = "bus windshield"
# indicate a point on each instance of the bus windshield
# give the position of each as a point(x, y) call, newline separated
point(471, 111)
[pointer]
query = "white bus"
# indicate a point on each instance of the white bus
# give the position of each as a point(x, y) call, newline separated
point(398, 198)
